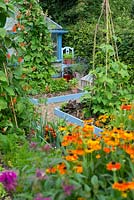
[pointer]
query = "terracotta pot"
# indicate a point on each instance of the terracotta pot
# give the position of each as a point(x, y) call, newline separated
point(68, 61)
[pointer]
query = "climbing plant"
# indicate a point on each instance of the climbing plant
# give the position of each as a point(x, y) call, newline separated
point(111, 78)
point(33, 44)
point(16, 111)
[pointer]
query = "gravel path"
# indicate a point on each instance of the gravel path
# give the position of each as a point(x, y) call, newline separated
point(47, 111)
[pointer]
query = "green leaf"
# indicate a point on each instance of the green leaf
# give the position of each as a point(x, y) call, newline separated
point(3, 104)
point(9, 91)
point(2, 32)
point(3, 5)
point(94, 180)
point(20, 107)
point(3, 77)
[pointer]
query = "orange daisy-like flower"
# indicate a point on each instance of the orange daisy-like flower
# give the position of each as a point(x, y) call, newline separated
point(126, 107)
point(113, 166)
point(71, 157)
point(77, 151)
point(62, 168)
point(78, 169)
point(106, 149)
point(131, 185)
point(121, 186)
point(51, 170)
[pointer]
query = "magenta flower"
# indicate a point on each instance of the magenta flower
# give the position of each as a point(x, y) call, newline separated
point(9, 180)
point(68, 189)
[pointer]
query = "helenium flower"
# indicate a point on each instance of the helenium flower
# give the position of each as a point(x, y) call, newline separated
point(9, 180)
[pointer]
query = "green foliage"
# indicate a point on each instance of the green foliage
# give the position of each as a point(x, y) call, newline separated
point(16, 111)
point(33, 43)
point(109, 90)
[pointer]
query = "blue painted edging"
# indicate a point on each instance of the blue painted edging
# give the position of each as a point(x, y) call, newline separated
point(74, 120)
point(59, 98)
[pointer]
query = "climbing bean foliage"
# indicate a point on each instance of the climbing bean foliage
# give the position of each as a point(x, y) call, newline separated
point(16, 111)
point(33, 43)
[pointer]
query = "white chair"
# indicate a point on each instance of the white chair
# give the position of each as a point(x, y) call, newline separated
point(66, 51)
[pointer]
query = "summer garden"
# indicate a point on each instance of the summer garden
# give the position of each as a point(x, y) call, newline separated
point(58, 160)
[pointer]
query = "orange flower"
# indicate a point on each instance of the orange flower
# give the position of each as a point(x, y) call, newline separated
point(51, 170)
point(131, 185)
point(113, 166)
point(71, 157)
point(78, 151)
point(126, 107)
point(106, 150)
point(8, 56)
point(20, 59)
point(14, 28)
point(78, 169)
point(22, 44)
point(62, 168)
point(121, 186)
point(98, 156)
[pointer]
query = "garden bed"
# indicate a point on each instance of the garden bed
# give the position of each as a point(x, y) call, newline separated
point(72, 119)
point(58, 97)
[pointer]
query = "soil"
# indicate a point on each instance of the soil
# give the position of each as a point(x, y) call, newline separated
point(47, 111)
point(77, 109)
point(49, 95)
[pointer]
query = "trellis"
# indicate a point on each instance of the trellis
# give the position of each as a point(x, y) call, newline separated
point(110, 33)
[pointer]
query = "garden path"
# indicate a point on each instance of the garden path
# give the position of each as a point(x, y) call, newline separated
point(47, 111)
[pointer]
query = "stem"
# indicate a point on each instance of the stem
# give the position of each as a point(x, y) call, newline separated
point(107, 35)
point(95, 34)
point(12, 104)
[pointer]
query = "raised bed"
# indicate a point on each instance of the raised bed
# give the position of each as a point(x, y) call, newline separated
point(58, 99)
point(74, 120)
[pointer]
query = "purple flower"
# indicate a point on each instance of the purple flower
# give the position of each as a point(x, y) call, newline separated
point(9, 180)
point(46, 147)
point(33, 145)
point(40, 197)
point(68, 189)
point(41, 175)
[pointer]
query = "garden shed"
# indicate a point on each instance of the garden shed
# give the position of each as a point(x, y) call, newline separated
point(55, 29)
point(57, 32)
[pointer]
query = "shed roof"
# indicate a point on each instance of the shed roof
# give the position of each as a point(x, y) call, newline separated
point(53, 27)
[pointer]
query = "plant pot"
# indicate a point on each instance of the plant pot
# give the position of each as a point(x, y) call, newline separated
point(68, 61)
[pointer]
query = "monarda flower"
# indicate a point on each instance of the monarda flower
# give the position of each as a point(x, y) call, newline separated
point(113, 166)
point(9, 180)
